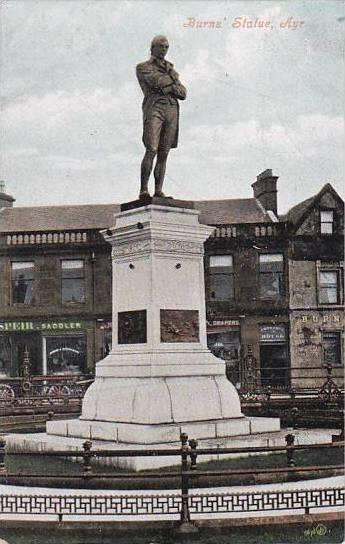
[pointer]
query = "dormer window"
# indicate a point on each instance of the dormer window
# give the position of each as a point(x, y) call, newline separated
point(326, 221)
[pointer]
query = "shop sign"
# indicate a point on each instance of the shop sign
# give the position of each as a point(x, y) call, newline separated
point(272, 333)
point(40, 326)
point(319, 318)
point(222, 322)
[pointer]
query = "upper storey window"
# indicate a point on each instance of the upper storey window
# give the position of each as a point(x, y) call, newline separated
point(22, 275)
point(271, 276)
point(326, 221)
point(73, 281)
point(329, 286)
point(221, 277)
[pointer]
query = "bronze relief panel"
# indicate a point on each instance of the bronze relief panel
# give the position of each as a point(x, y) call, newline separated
point(132, 327)
point(179, 325)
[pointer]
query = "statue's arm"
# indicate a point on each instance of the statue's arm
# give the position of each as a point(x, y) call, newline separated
point(154, 79)
point(177, 89)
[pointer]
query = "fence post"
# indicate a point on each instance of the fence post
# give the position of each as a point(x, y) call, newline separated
point(193, 454)
point(294, 416)
point(87, 469)
point(26, 383)
point(268, 394)
point(2, 455)
point(185, 525)
point(290, 439)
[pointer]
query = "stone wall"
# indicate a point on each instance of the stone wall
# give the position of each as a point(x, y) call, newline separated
point(306, 328)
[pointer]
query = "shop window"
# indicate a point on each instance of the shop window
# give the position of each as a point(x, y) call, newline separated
point(5, 355)
point(22, 274)
point(326, 222)
point(73, 281)
point(271, 276)
point(226, 346)
point(221, 277)
point(65, 354)
point(329, 287)
point(331, 348)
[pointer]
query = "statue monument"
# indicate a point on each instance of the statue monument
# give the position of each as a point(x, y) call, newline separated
point(160, 379)
point(162, 90)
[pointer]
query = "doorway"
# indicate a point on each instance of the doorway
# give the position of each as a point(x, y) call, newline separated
point(274, 365)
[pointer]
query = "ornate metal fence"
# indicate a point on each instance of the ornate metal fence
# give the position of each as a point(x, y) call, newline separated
point(256, 387)
point(41, 390)
point(144, 505)
point(36, 391)
point(182, 503)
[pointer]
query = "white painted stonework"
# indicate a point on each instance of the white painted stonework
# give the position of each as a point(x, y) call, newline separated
point(147, 393)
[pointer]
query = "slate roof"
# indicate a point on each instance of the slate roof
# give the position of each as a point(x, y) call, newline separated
point(55, 218)
point(295, 214)
point(99, 216)
point(237, 210)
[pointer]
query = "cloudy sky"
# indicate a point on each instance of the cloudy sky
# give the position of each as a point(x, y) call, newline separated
point(257, 98)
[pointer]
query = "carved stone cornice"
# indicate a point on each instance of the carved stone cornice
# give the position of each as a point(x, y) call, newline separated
point(177, 246)
point(133, 247)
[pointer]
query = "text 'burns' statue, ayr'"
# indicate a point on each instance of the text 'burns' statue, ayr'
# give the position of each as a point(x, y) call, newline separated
point(162, 91)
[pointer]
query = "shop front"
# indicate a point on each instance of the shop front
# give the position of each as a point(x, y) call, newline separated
point(224, 340)
point(55, 347)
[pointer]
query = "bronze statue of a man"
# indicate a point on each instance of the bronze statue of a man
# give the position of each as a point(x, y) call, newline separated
point(162, 91)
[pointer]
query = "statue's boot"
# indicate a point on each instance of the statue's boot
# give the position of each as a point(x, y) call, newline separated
point(143, 190)
point(158, 190)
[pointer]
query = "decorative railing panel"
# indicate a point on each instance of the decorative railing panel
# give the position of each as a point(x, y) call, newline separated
point(263, 501)
point(134, 505)
point(42, 390)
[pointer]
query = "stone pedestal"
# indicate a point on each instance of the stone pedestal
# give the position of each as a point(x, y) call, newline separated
point(160, 378)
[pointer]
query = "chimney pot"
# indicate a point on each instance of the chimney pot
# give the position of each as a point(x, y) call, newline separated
point(6, 201)
point(265, 190)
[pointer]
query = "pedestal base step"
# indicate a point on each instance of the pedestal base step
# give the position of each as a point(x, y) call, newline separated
point(133, 433)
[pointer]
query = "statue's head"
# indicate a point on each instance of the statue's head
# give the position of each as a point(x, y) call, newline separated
point(159, 46)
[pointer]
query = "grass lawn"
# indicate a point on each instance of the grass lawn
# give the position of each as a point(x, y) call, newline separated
point(48, 465)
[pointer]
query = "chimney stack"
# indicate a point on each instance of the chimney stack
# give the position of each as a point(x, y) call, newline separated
point(265, 190)
point(6, 201)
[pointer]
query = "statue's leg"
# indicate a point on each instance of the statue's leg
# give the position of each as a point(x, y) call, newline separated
point(159, 171)
point(167, 140)
point(152, 130)
point(146, 169)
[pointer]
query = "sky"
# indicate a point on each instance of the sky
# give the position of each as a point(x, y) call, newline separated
point(258, 98)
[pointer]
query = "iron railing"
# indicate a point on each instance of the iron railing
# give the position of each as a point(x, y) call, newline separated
point(293, 382)
point(183, 502)
point(43, 390)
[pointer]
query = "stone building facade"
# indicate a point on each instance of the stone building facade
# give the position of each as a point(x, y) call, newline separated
point(316, 277)
point(273, 286)
point(55, 296)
